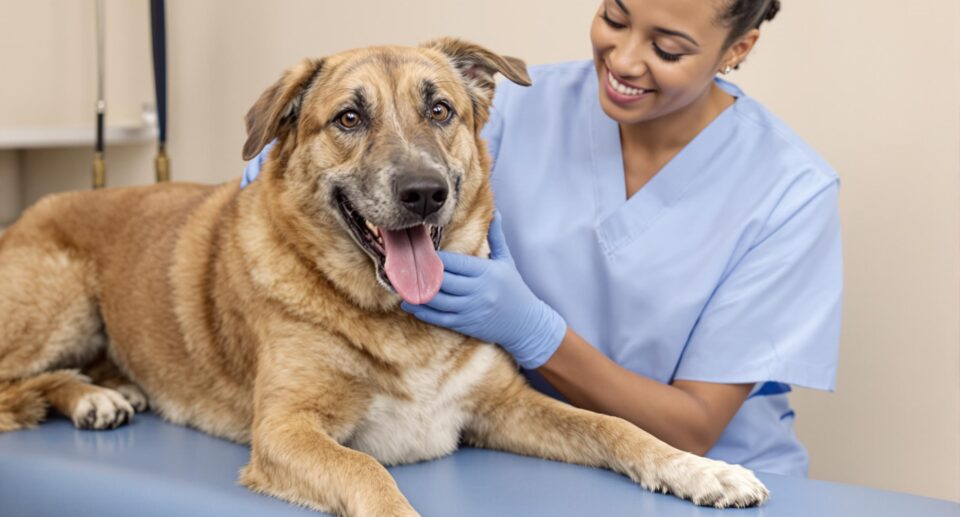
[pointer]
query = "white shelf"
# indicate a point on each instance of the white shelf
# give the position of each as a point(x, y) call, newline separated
point(75, 136)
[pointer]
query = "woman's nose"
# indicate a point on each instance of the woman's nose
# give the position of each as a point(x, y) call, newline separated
point(626, 60)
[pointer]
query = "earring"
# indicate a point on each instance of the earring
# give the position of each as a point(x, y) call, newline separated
point(726, 70)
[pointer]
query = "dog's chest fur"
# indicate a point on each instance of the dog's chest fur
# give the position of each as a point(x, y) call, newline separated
point(428, 423)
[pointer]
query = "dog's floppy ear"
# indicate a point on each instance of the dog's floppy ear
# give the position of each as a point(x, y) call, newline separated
point(277, 109)
point(478, 65)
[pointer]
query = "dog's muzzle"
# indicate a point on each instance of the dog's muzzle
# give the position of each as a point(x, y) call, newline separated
point(406, 258)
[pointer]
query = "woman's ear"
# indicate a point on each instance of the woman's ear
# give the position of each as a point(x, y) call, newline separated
point(740, 49)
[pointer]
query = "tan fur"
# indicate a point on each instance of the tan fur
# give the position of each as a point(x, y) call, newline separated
point(253, 315)
point(23, 403)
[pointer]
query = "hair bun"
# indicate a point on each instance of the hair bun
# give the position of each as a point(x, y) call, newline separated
point(772, 10)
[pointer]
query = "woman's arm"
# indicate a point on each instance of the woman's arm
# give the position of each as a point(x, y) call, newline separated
point(686, 414)
point(487, 299)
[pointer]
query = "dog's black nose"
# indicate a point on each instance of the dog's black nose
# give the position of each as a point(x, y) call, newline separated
point(422, 194)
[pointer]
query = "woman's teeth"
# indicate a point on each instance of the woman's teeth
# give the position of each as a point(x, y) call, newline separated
point(622, 88)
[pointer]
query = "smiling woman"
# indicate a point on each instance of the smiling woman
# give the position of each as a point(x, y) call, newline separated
point(670, 251)
point(657, 71)
point(699, 275)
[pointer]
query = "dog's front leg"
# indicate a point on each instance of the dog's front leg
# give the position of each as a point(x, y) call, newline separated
point(297, 461)
point(303, 410)
point(512, 416)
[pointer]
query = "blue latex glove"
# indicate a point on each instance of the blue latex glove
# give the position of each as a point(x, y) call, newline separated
point(252, 170)
point(486, 299)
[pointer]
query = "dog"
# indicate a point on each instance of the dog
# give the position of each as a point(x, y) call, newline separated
point(270, 315)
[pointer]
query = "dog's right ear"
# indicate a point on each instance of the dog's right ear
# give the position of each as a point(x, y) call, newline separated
point(277, 110)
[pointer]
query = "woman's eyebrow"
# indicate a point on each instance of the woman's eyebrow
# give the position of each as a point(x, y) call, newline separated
point(670, 32)
point(622, 7)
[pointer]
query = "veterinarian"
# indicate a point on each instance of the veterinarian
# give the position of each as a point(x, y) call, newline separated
point(669, 251)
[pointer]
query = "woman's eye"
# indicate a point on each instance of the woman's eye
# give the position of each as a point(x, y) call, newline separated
point(441, 112)
point(611, 23)
point(666, 56)
point(349, 119)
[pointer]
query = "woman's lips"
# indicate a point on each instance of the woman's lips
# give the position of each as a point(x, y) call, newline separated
point(622, 93)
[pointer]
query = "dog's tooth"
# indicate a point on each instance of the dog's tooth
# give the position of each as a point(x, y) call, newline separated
point(370, 226)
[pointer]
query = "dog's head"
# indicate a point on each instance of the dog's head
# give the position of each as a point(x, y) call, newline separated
point(379, 151)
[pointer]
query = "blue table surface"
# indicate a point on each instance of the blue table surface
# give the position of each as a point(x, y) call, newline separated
point(151, 467)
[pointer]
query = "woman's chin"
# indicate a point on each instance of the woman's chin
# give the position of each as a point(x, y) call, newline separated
point(624, 115)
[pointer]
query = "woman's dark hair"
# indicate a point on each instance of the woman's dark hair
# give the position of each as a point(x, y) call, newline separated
point(741, 16)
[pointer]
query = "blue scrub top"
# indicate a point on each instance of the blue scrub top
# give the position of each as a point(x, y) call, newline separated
point(725, 267)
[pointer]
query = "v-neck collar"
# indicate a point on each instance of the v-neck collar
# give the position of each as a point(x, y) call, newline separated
point(619, 219)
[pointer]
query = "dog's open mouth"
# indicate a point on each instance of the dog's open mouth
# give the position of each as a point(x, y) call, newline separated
point(406, 258)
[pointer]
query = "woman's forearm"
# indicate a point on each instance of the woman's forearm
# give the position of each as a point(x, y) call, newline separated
point(688, 415)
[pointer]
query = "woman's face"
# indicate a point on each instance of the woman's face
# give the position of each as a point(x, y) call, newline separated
point(655, 57)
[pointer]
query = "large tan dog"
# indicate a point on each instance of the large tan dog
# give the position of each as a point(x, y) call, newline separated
point(271, 315)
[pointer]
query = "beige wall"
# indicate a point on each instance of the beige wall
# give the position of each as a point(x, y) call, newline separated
point(48, 66)
point(874, 85)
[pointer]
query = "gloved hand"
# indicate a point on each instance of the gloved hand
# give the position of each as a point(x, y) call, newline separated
point(486, 299)
point(253, 167)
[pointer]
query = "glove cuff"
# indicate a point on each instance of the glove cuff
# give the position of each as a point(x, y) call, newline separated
point(543, 342)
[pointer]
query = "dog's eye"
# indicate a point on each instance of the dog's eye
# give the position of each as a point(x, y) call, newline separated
point(349, 119)
point(441, 112)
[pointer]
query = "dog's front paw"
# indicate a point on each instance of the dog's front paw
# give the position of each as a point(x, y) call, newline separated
point(135, 396)
point(709, 482)
point(101, 408)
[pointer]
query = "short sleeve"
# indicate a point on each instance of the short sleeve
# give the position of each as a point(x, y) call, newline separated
point(775, 317)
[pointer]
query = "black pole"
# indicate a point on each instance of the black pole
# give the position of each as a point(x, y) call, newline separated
point(158, 29)
point(100, 128)
point(99, 164)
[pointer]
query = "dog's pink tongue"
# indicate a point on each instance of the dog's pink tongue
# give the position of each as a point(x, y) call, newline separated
point(413, 266)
